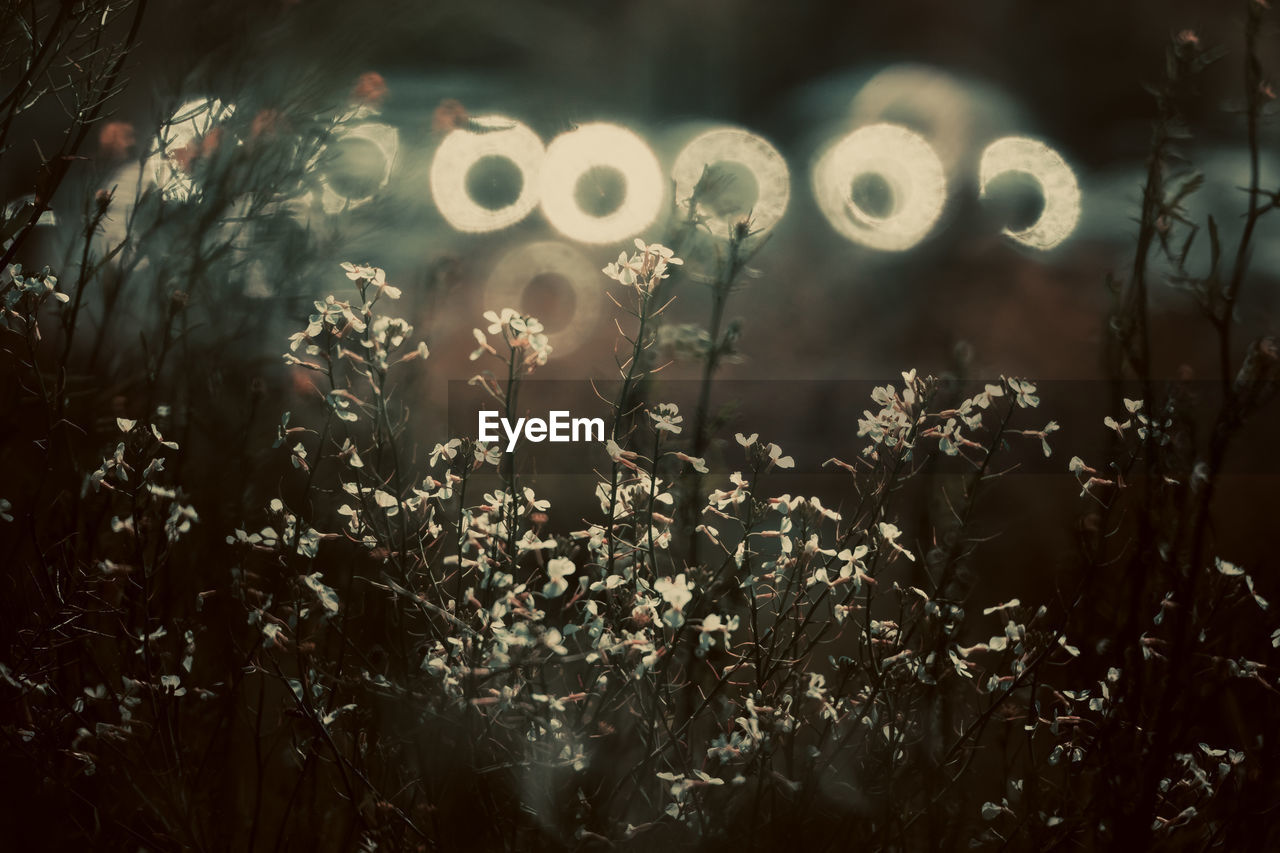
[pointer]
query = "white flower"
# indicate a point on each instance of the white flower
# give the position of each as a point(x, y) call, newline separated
point(1008, 605)
point(659, 251)
point(699, 464)
point(386, 501)
point(666, 416)
point(1258, 599)
point(1048, 430)
point(484, 345)
point(273, 634)
point(533, 503)
point(822, 511)
point(991, 811)
point(553, 640)
point(358, 272)
point(531, 542)
point(677, 592)
point(713, 624)
point(173, 683)
point(372, 275)
point(620, 456)
point(1024, 393)
point(625, 270)
point(776, 457)
point(487, 454)
point(558, 568)
point(498, 321)
point(447, 450)
point(643, 269)
point(890, 533)
point(721, 498)
point(1077, 466)
point(328, 598)
point(1228, 569)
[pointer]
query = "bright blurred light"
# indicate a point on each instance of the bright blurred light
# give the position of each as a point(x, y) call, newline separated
point(188, 125)
point(910, 167)
point(957, 115)
point(462, 149)
point(385, 138)
point(732, 145)
point(571, 155)
point(510, 279)
point(1057, 184)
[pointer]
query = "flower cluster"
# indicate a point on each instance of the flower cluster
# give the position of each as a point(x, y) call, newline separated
point(644, 268)
point(522, 335)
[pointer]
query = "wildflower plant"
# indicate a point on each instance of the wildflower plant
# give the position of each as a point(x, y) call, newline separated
point(289, 615)
point(807, 632)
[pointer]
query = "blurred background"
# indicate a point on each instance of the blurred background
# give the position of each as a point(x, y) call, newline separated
point(299, 85)
point(799, 75)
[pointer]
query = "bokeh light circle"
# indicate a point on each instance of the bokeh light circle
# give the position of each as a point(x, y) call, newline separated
point(571, 155)
point(910, 167)
point(498, 136)
point(1057, 183)
point(733, 145)
point(385, 138)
